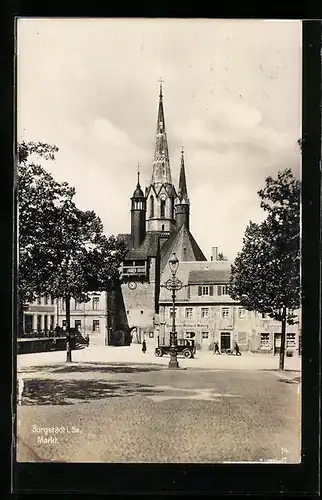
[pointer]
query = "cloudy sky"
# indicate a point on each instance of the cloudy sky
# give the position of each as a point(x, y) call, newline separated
point(232, 98)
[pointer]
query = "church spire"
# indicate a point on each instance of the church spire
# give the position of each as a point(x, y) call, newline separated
point(160, 194)
point(182, 205)
point(182, 191)
point(161, 173)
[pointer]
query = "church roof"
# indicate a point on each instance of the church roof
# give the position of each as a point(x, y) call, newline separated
point(138, 193)
point(148, 248)
point(197, 277)
point(184, 245)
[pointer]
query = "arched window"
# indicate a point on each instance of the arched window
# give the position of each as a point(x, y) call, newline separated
point(162, 208)
point(162, 227)
point(151, 206)
point(172, 208)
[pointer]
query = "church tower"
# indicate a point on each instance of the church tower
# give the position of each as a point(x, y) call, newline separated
point(160, 195)
point(138, 215)
point(182, 207)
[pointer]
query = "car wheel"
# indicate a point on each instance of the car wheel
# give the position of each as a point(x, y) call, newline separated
point(187, 353)
point(159, 353)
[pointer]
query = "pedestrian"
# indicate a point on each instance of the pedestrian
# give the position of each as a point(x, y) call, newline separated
point(238, 353)
point(216, 350)
point(87, 339)
point(144, 347)
point(57, 330)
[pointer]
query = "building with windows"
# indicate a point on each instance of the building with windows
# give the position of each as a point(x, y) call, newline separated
point(40, 315)
point(90, 318)
point(206, 312)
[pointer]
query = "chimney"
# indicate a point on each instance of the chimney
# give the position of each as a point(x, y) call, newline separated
point(214, 253)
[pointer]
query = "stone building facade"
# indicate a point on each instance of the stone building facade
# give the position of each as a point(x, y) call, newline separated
point(40, 315)
point(206, 312)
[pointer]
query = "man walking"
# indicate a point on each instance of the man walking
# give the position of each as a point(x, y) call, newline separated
point(238, 353)
point(216, 349)
point(144, 347)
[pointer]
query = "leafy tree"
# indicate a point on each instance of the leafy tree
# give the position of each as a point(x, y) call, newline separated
point(222, 257)
point(38, 196)
point(265, 275)
point(63, 250)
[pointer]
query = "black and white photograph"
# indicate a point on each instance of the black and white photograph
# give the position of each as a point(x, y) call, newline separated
point(159, 240)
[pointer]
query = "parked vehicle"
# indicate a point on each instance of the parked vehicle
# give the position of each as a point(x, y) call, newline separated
point(184, 348)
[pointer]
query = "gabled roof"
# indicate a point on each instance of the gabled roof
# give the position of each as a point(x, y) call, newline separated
point(184, 245)
point(211, 276)
point(215, 269)
point(157, 188)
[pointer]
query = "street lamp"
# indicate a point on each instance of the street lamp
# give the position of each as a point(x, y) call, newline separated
point(173, 284)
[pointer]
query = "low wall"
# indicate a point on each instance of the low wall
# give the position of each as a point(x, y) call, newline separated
point(26, 346)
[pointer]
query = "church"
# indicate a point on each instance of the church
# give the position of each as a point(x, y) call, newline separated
point(159, 226)
point(140, 308)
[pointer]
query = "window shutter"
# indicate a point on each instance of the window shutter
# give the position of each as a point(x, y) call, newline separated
point(219, 289)
point(199, 290)
point(211, 290)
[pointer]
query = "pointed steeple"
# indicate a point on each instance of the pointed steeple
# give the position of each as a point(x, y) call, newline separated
point(138, 193)
point(182, 204)
point(182, 191)
point(161, 173)
point(160, 194)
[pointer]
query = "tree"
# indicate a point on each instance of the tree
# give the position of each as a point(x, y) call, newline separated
point(265, 275)
point(63, 249)
point(38, 195)
point(222, 257)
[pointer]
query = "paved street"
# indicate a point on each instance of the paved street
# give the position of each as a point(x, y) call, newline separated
point(129, 411)
point(133, 354)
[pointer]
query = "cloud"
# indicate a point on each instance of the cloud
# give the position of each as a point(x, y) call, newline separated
point(232, 97)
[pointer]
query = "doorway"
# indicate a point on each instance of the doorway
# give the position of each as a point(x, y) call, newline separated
point(224, 341)
point(277, 343)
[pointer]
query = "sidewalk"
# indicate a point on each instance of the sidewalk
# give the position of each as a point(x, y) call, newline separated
point(133, 354)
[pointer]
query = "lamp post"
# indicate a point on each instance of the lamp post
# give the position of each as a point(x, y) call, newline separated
point(173, 284)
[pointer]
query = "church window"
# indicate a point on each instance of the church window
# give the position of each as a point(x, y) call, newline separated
point(151, 206)
point(162, 208)
point(162, 227)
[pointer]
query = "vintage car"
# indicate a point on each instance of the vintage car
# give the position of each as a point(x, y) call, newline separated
point(184, 348)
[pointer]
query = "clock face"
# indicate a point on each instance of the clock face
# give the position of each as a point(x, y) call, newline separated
point(132, 285)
